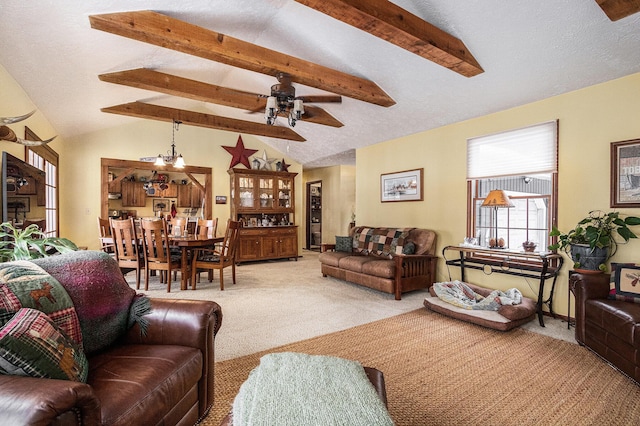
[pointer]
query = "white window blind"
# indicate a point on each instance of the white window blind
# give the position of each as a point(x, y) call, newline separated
point(529, 150)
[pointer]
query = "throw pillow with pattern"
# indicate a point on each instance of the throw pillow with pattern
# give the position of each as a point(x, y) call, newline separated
point(344, 244)
point(31, 344)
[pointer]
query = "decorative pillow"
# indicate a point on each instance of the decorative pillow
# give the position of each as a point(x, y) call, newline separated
point(409, 247)
point(32, 345)
point(107, 307)
point(344, 244)
point(25, 285)
point(625, 282)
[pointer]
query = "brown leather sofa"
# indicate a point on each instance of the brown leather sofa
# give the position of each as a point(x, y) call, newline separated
point(165, 377)
point(610, 328)
point(400, 274)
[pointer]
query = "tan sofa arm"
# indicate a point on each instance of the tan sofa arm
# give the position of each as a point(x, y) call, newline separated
point(35, 401)
point(416, 266)
point(192, 323)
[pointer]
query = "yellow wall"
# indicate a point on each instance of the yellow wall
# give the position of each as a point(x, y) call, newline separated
point(338, 198)
point(80, 160)
point(589, 120)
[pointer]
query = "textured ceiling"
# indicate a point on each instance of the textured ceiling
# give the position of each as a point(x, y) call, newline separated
point(528, 50)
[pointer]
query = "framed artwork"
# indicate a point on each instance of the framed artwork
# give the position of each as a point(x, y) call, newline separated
point(402, 186)
point(625, 173)
point(221, 199)
point(628, 280)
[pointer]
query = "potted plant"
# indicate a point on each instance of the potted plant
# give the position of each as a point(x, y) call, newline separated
point(29, 243)
point(595, 239)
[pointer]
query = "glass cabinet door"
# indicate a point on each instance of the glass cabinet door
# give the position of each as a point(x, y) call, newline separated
point(284, 193)
point(265, 192)
point(246, 191)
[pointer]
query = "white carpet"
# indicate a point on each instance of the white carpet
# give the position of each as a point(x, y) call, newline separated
point(280, 302)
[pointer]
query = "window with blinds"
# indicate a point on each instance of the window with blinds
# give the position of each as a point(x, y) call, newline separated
point(524, 163)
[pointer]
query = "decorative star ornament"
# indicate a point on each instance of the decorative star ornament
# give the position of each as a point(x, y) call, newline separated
point(265, 163)
point(240, 153)
point(284, 166)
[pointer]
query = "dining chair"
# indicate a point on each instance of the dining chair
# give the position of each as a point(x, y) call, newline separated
point(157, 252)
point(178, 225)
point(207, 228)
point(210, 260)
point(106, 240)
point(127, 247)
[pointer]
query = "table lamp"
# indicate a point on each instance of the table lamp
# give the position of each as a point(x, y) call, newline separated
point(497, 199)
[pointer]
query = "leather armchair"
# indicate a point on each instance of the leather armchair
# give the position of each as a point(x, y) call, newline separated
point(126, 385)
point(608, 327)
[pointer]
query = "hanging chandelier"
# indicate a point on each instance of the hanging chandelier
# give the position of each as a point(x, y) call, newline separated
point(283, 102)
point(171, 159)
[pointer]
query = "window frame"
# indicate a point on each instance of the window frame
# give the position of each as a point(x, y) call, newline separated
point(552, 214)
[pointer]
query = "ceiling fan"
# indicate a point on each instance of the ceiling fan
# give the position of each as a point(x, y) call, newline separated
point(283, 101)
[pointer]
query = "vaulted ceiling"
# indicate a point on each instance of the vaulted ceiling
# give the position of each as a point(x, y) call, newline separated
point(382, 69)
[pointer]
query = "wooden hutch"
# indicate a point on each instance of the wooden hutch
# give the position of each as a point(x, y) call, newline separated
point(264, 201)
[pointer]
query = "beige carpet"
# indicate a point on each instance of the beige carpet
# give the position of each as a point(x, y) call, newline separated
point(280, 302)
point(440, 371)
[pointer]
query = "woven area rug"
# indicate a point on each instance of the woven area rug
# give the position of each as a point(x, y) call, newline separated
point(440, 371)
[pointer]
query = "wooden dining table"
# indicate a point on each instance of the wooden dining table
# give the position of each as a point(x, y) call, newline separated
point(187, 244)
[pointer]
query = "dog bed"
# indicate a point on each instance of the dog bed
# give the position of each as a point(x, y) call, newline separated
point(505, 318)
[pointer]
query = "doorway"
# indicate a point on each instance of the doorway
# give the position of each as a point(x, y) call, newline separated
point(314, 215)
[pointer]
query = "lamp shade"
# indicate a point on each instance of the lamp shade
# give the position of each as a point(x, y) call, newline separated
point(497, 198)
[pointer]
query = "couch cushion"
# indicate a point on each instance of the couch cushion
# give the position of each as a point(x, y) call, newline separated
point(31, 344)
point(354, 263)
point(332, 258)
point(136, 382)
point(384, 268)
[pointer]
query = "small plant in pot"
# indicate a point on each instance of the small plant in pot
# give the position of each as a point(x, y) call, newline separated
point(29, 243)
point(595, 239)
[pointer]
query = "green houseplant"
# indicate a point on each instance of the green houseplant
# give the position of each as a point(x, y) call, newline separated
point(29, 243)
point(595, 239)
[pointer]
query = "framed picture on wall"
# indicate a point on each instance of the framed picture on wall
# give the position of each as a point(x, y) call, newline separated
point(625, 173)
point(401, 186)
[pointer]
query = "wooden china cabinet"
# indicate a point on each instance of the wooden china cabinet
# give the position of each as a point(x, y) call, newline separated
point(264, 202)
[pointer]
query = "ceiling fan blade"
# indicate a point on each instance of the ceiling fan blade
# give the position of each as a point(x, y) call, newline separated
point(319, 116)
point(147, 79)
point(161, 113)
point(162, 30)
point(320, 99)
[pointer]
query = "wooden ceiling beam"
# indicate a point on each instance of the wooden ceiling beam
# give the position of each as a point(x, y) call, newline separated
point(389, 22)
point(169, 84)
point(618, 9)
point(161, 113)
point(164, 31)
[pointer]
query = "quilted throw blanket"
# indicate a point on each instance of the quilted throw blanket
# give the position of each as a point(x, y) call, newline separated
point(459, 294)
point(298, 389)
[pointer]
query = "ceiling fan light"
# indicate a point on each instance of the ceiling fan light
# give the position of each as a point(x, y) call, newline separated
point(298, 108)
point(179, 164)
point(159, 161)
